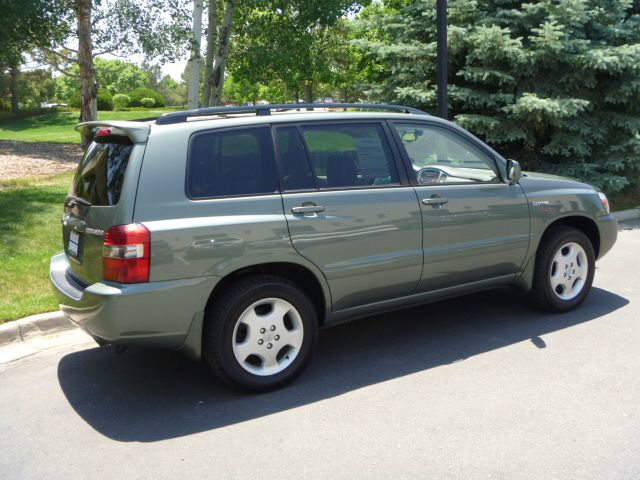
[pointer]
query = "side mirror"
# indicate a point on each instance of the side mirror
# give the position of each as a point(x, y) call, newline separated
point(514, 172)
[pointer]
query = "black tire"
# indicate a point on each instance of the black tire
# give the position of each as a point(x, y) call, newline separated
point(542, 290)
point(221, 318)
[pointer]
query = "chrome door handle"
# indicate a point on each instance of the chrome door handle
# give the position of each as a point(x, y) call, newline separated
point(307, 209)
point(435, 201)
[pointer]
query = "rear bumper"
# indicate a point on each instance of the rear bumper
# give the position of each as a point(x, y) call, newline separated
point(608, 229)
point(155, 314)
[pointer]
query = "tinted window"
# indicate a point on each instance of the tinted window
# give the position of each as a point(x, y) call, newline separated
point(100, 175)
point(239, 162)
point(350, 155)
point(440, 156)
point(294, 164)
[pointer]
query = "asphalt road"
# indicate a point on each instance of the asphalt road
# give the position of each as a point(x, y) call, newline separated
point(483, 386)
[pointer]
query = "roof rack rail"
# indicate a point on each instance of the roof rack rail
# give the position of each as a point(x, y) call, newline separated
point(260, 110)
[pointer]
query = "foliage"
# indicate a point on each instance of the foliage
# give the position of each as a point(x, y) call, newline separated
point(26, 24)
point(120, 101)
point(74, 100)
point(138, 94)
point(105, 100)
point(116, 76)
point(287, 41)
point(147, 102)
point(174, 93)
point(34, 87)
point(159, 29)
point(555, 83)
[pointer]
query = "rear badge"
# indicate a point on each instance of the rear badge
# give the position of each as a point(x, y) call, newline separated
point(94, 231)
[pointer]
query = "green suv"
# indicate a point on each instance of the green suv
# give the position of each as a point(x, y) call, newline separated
point(233, 234)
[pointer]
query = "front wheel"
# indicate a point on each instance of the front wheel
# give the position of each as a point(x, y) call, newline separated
point(261, 332)
point(565, 264)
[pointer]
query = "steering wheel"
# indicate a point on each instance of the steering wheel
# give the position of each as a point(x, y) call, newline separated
point(431, 175)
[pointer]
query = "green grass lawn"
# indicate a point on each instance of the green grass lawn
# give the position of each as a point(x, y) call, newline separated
point(30, 233)
point(59, 127)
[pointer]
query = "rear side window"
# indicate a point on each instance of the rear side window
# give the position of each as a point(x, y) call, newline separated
point(100, 175)
point(350, 155)
point(296, 170)
point(236, 162)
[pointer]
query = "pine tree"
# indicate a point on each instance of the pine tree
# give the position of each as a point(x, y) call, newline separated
point(554, 84)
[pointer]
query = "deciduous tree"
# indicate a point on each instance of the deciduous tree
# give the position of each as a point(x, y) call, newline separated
point(25, 25)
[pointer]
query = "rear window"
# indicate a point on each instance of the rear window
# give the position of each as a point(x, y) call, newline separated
point(233, 162)
point(100, 175)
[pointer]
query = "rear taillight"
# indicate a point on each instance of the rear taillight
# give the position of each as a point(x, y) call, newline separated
point(126, 254)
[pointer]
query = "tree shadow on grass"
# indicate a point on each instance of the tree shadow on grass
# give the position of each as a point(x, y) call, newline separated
point(149, 396)
point(18, 208)
point(39, 121)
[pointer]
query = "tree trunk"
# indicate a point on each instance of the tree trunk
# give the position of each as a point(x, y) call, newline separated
point(15, 106)
point(220, 63)
point(88, 84)
point(193, 92)
point(308, 92)
point(212, 37)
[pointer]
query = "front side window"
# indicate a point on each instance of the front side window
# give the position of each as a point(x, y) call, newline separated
point(231, 163)
point(350, 155)
point(440, 156)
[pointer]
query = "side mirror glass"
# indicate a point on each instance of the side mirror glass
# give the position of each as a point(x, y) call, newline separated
point(409, 137)
point(514, 172)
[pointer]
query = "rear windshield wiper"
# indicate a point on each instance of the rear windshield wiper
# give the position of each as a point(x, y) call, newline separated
point(73, 201)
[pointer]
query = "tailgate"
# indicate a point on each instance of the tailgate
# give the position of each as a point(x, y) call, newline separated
point(101, 195)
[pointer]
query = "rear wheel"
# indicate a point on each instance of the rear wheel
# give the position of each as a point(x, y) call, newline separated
point(565, 264)
point(260, 333)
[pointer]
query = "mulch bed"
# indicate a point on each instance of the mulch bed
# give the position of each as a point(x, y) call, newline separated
point(29, 159)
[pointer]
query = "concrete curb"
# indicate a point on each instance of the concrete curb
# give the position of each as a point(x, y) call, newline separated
point(627, 214)
point(33, 326)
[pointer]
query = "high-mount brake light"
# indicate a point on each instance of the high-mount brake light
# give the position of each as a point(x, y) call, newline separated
point(103, 132)
point(110, 131)
point(126, 254)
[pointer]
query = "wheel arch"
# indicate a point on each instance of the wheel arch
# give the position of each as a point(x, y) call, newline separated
point(310, 282)
point(580, 222)
point(583, 223)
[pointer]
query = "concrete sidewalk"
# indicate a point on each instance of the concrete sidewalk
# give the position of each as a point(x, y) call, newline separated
point(24, 337)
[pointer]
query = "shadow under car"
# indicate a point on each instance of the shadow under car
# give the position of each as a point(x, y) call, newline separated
point(147, 396)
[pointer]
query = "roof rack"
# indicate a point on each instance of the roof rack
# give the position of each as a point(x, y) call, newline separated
point(260, 110)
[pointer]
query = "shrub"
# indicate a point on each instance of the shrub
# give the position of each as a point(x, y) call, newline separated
point(74, 100)
point(121, 100)
point(138, 94)
point(105, 100)
point(147, 102)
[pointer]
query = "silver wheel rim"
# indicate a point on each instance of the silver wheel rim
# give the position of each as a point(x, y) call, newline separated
point(569, 270)
point(268, 336)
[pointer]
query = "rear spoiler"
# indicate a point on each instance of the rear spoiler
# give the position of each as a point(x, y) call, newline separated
point(138, 132)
